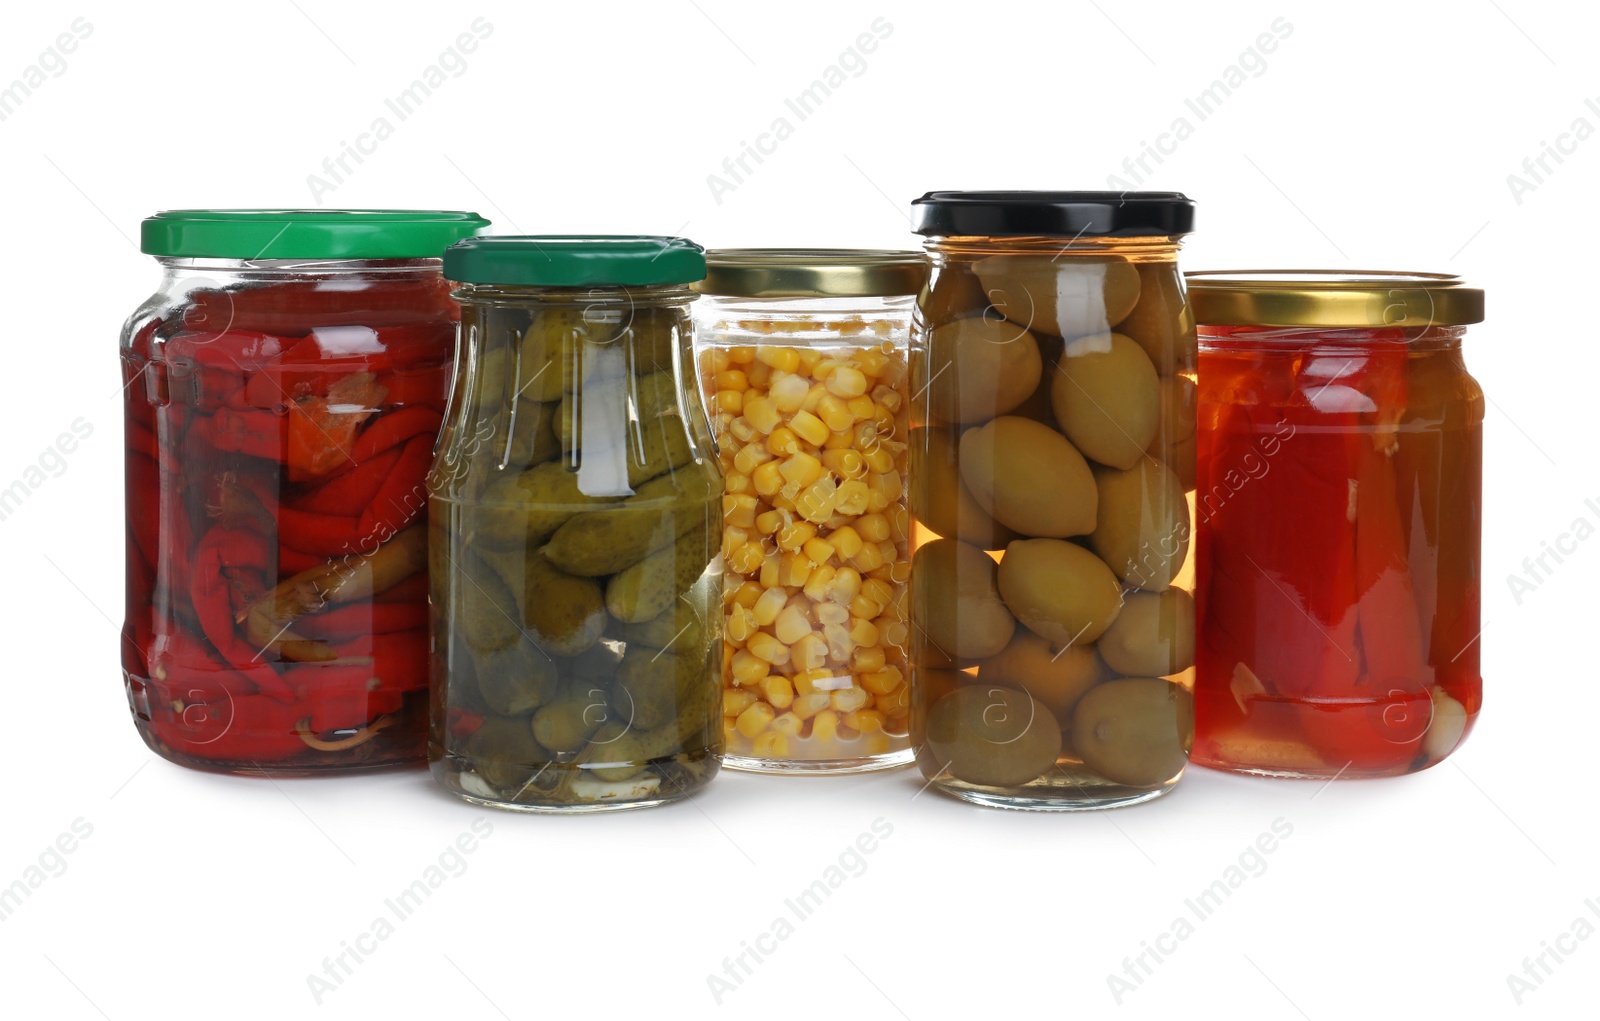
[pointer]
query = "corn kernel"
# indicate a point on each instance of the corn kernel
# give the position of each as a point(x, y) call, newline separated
point(846, 586)
point(807, 682)
point(896, 703)
point(747, 558)
point(732, 539)
point(879, 458)
point(747, 594)
point(818, 550)
point(736, 701)
point(863, 632)
point(845, 381)
point(867, 660)
point(825, 727)
point(768, 648)
point(873, 527)
point(794, 570)
point(832, 613)
point(835, 414)
point(731, 379)
point(846, 463)
point(816, 586)
point(769, 571)
point(741, 355)
point(809, 428)
point(767, 607)
point(760, 374)
point(751, 457)
point(784, 359)
point(875, 743)
point(768, 522)
point(801, 468)
point(854, 496)
point(748, 669)
point(865, 721)
point(840, 644)
point(770, 745)
point(879, 592)
point(783, 442)
point(848, 700)
point(741, 625)
point(809, 653)
point(871, 360)
point(788, 724)
point(881, 682)
point(790, 626)
point(739, 510)
point(793, 536)
point(742, 431)
point(838, 441)
point(862, 410)
point(736, 482)
point(729, 401)
point(807, 706)
point(789, 393)
point(753, 720)
point(767, 479)
point(895, 634)
point(817, 501)
point(761, 413)
point(777, 690)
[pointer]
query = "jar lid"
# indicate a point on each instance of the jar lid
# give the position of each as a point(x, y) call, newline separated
point(1332, 298)
point(1077, 214)
point(813, 272)
point(306, 233)
point(571, 260)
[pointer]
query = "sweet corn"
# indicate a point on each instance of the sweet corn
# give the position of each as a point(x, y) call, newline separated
point(814, 540)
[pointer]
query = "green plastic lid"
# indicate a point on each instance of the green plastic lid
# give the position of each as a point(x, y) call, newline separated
point(569, 260)
point(306, 233)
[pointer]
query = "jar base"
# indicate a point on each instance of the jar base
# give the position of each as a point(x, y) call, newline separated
point(820, 767)
point(681, 780)
point(1054, 797)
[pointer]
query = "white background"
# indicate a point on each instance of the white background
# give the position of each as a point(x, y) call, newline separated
point(1378, 135)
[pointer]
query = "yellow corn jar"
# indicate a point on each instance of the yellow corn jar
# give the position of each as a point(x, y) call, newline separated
point(803, 360)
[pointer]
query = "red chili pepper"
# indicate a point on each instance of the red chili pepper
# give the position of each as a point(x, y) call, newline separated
point(321, 430)
point(413, 589)
point(257, 433)
point(393, 429)
point(340, 696)
point(404, 493)
point(221, 548)
point(293, 561)
point(425, 387)
point(398, 660)
point(346, 495)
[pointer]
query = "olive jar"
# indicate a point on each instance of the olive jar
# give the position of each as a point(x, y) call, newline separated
point(1340, 515)
point(803, 359)
point(575, 531)
point(1052, 449)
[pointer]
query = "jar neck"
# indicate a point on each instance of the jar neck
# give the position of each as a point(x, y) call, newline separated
point(1140, 249)
point(1222, 337)
point(673, 295)
point(175, 269)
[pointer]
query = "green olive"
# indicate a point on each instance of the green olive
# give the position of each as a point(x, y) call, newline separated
point(938, 497)
point(1107, 397)
point(979, 368)
point(1142, 529)
point(1162, 322)
point(1177, 410)
point(993, 736)
point(1029, 477)
point(1153, 635)
point(1059, 590)
point(1068, 295)
point(953, 293)
point(1055, 675)
point(954, 601)
point(1135, 730)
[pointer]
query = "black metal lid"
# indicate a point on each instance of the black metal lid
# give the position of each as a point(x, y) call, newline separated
point(1072, 213)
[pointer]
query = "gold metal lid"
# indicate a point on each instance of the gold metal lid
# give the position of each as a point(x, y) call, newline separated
point(1332, 298)
point(812, 272)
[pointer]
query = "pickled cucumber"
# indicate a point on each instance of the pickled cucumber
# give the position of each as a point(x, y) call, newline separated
point(533, 434)
point(647, 588)
point(564, 726)
point(524, 510)
point(609, 540)
point(516, 680)
point(504, 752)
point(483, 607)
point(562, 612)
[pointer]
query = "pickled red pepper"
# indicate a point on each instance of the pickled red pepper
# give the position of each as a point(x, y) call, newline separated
point(279, 440)
point(1306, 592)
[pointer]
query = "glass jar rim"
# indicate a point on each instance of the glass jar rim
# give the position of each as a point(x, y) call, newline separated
point(1332, 298)
point(305, 234)
point(813, 273)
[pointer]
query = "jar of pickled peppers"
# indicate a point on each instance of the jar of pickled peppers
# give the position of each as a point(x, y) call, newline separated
point(1340, 512)
point(575, 531)
point(283, 390)
point(803, 359)
point(1052, 449)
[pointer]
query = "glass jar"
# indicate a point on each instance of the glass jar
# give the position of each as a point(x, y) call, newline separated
point(802, 356)
point(574, 516)
point(283, 388)
point(1340, 514)
point(1052, 445)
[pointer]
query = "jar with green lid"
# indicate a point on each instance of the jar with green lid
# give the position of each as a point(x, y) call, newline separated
point(283, 389)
point(573, 531)
point(802, 356)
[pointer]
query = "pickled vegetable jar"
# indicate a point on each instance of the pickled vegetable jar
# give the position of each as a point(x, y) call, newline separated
point(283, 390)
point(803, 359)
point(1339, 514)
point(575, 530)
point(1052, 445)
